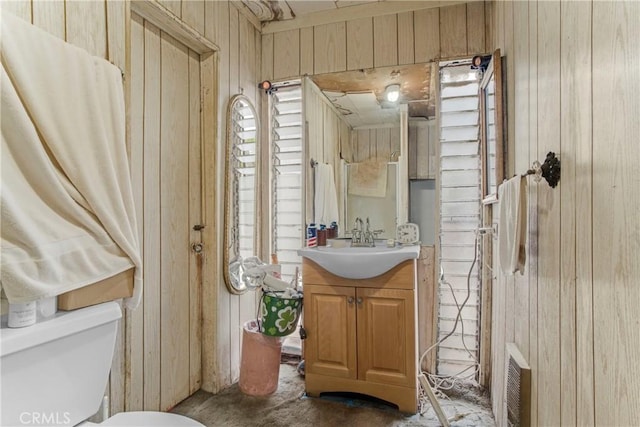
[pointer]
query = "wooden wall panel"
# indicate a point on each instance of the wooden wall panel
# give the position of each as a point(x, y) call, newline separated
point(151, 218)
point(195, 217)
point(509, 87)
point(396, 38)
point(577, 84)
point(174, 219)
point(330, 51)
point(222, 342)
point(117, 20)
point(234, 51)
point(406, 50)
point(286, 54)
point(248, 63)
point(616, 201)
point(490, 24)
point(376, 143)
point(385, 40)
point(532, 237)
point(549, 315)
point(476, 27)
point(267, 57)
point(453, 31)
point(581, 322)
point(575, 126)
point(306, 54)
point(426, 28)
point(21, 9)
point(48, 15)
point(193, 14)
point(87, 26)
point(359, 43)
point(522, 162)
point(173, 6)
point(134, 388)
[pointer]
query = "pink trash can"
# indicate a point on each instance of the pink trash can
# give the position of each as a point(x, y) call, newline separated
point(260, 361)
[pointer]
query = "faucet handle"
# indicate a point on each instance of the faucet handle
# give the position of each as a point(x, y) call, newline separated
point(377, 231)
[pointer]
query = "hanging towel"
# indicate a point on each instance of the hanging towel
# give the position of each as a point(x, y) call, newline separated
point(512, 225)
point(68, 216)
point(368, 178)
point(326, 198)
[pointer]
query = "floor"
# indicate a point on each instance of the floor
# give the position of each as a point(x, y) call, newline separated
point(289, 406)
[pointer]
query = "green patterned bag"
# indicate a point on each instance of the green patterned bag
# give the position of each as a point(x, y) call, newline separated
point(279, 316)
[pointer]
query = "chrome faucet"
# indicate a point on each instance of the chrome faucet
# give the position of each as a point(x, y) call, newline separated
point(356, 233)
point(366, 237)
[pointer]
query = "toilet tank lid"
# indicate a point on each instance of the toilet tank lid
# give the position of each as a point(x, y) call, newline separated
point(63, 323)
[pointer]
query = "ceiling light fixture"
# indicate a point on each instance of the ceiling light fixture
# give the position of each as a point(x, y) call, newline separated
point(392, 93)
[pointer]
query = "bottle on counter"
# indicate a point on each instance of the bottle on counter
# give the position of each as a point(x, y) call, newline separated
point(312, 235)
point(333, 230)
point(22, 314)
point(322, 235)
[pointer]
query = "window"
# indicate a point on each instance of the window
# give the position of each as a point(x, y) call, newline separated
point(287, 234)
point(243, 162)
point(460, 195)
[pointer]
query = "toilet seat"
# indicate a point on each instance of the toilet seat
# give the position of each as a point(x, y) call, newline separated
point(150, 418)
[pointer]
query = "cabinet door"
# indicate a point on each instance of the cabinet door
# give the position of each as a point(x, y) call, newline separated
point(386, 336)
point(330, 322)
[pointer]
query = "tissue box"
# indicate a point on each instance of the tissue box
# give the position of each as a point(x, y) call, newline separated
point(112, 288)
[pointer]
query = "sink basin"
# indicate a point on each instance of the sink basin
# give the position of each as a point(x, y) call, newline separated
point(358, 262)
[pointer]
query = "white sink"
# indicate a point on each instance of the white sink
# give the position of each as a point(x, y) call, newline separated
point(357, 262)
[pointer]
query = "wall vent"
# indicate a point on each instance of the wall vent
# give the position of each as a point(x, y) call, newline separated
point(518, 388)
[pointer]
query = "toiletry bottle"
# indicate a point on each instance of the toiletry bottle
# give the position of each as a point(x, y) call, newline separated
point(274, 261)
point(322, 235)
point(312, 235)
point(22, 314)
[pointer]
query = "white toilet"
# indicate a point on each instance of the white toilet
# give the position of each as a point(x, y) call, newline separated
point(54, 373)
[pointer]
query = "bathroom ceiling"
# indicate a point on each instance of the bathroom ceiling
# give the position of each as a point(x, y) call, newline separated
point(359, 95)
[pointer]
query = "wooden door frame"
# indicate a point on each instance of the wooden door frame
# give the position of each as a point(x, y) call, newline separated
point(162, 18)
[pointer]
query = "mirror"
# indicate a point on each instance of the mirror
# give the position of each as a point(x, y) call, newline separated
point(377, 133)
point(240, 191)
point(382, 208)
point(492, 137)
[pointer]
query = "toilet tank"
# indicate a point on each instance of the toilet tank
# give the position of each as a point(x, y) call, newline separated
point(55, 372)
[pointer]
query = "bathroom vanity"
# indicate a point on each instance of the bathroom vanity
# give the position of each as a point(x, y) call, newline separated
point(361, 333)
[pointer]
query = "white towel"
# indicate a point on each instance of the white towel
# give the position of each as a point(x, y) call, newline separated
point(368, 178)
point(326, 198)
point(68, 216)
point(512, 225)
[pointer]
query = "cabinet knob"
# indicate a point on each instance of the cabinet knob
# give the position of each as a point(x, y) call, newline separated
point(350, 300)
point(359, 300)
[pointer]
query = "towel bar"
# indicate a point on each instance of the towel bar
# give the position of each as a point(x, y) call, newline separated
point(549, 170)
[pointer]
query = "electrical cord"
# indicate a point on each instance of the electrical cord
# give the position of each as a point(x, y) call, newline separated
point(447, 382)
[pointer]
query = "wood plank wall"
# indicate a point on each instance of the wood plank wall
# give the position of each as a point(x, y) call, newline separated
point(401, 38)
point(574, 313)
point(325, 140)
point(101, 27)
point(375, 143)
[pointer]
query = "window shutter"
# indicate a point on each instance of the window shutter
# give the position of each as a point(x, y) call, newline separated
point(460, 195)
point(286, 172)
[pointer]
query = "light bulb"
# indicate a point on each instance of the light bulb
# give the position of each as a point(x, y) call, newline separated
point(392, 93)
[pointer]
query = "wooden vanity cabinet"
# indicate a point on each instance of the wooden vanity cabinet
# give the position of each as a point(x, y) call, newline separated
point(361, 334)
